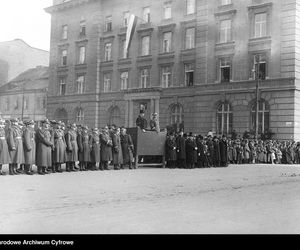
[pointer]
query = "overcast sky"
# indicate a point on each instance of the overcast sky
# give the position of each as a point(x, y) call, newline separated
point(27, 20)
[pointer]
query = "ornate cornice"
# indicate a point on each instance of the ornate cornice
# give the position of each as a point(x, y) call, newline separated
point(66, 5)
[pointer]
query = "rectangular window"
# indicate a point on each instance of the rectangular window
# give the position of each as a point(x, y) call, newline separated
point(190, 7)
point(26, 103)
point(81, 59)
point(145, 78)
point(146, 14)
point(125, 18)
point(166, 76)
point(64, 55)
point(145, 45)
point(189, 74)
point(82, 28)
point(225, 68)
point(225, 2)
point(124, 80)
point(62, 85)
point(260, 25)
point(108, 23)
point(123, 50)
point(107, 83)
point(260, 66)
point(80, 83)
point(167, 10)
point(190, 38)
point(167, 39)
point(225, 31)
point(107, 52)
point(64, 34)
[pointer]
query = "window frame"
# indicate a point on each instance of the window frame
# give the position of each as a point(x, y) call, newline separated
point(107, 82)
point(192, 39)
point(62, 85)
point(227, 31)
point(167, 6)
point(166, 79)
point(64, 32)
point(225, 112)
point(108, 23)
point(108, 52)
point(187, 7)
point(144, 78)
point(147, 15)
point(122, 85)
point(81, 88)
point(261, 114)
point(142, 45)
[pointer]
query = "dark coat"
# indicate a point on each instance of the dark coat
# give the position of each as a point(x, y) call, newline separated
point(86, 154)
point(141, 122)
point(94, 142)
point(15, 145)
point(4, 153)
point(117, 149)
point(171, 147)
point(180, 142)
point(127, 148)
point(191, 151)
point(201, 150)
point(223, 152)
point(29, 146)
point(59, 152)
point(43, 148)
point(80, 146)
point(106, 147)
point(72, 147)
point(216, 156)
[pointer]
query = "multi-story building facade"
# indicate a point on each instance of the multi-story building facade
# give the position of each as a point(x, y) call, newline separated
point(25, 96)
point(17, 56)
point(191, 61)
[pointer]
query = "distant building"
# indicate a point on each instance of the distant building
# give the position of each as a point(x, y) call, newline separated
point(16, 56)
point(30, 88)
point(191, 61)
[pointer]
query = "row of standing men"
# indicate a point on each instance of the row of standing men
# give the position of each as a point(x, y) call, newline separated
point(52, 144)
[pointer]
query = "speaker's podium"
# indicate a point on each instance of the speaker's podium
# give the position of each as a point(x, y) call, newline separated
point(149, 147)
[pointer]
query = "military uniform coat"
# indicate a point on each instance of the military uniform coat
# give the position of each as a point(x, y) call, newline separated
point(59, 153)
point(43, 148)
point(15, 141)
point(86, 147)
point(29, 146)
point(72, 147)
point(171, 147)
point(106, 147)
point(127, 148)
point(4, 153)
point(223, 152)
point(141, 122)
point(180, 142)
point(117, 149)
point(94, 142)
point(80, 146)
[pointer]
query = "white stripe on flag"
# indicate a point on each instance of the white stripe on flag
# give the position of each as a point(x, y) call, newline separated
point(130, 31)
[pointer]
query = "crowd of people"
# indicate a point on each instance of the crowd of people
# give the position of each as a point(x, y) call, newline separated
point(50, 144)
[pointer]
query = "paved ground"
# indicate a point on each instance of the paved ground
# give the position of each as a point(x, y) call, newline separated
point(237, 199)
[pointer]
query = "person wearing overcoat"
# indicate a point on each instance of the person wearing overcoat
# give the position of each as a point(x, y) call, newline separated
point(29, 147)
point(191, 151)
point(106, 148)
point(4, 153)
point(223, 152)
point(44, 145)
point(127, 148)
point(72, 148)
point(59, 152)
point(86, 154)
point(171, 155)
point(15, 144)
point(216, 154)
point(181, 150)
point(94, 142)
point(80, 146)
point(117, 149)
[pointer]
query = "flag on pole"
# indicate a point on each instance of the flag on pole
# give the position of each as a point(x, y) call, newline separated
point(130, 31)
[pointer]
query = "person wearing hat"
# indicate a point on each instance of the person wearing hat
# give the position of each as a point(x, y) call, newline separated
point(127, 148)
point(29, 147)
point(80, 146)
point(4, 152)
point(15, 144)
point(171, 147)
point(94, 143)
point(59, 149)
point(44, 145)
point(223, 152)
point(72, 148)
point(216, 153)
point(141, 122)
point(86, 154)
point(117, 149)
point(191, 151)
point(105, 148)
point(154, 123)
point(201, 156)
point(181, 150)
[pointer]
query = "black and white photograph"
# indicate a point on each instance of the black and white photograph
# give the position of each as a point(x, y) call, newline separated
point(149, 117)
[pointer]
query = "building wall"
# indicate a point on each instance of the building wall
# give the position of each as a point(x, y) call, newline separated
point(200, 101)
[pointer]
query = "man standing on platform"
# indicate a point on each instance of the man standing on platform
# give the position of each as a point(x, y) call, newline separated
point(141, 122)
point(154, 123)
